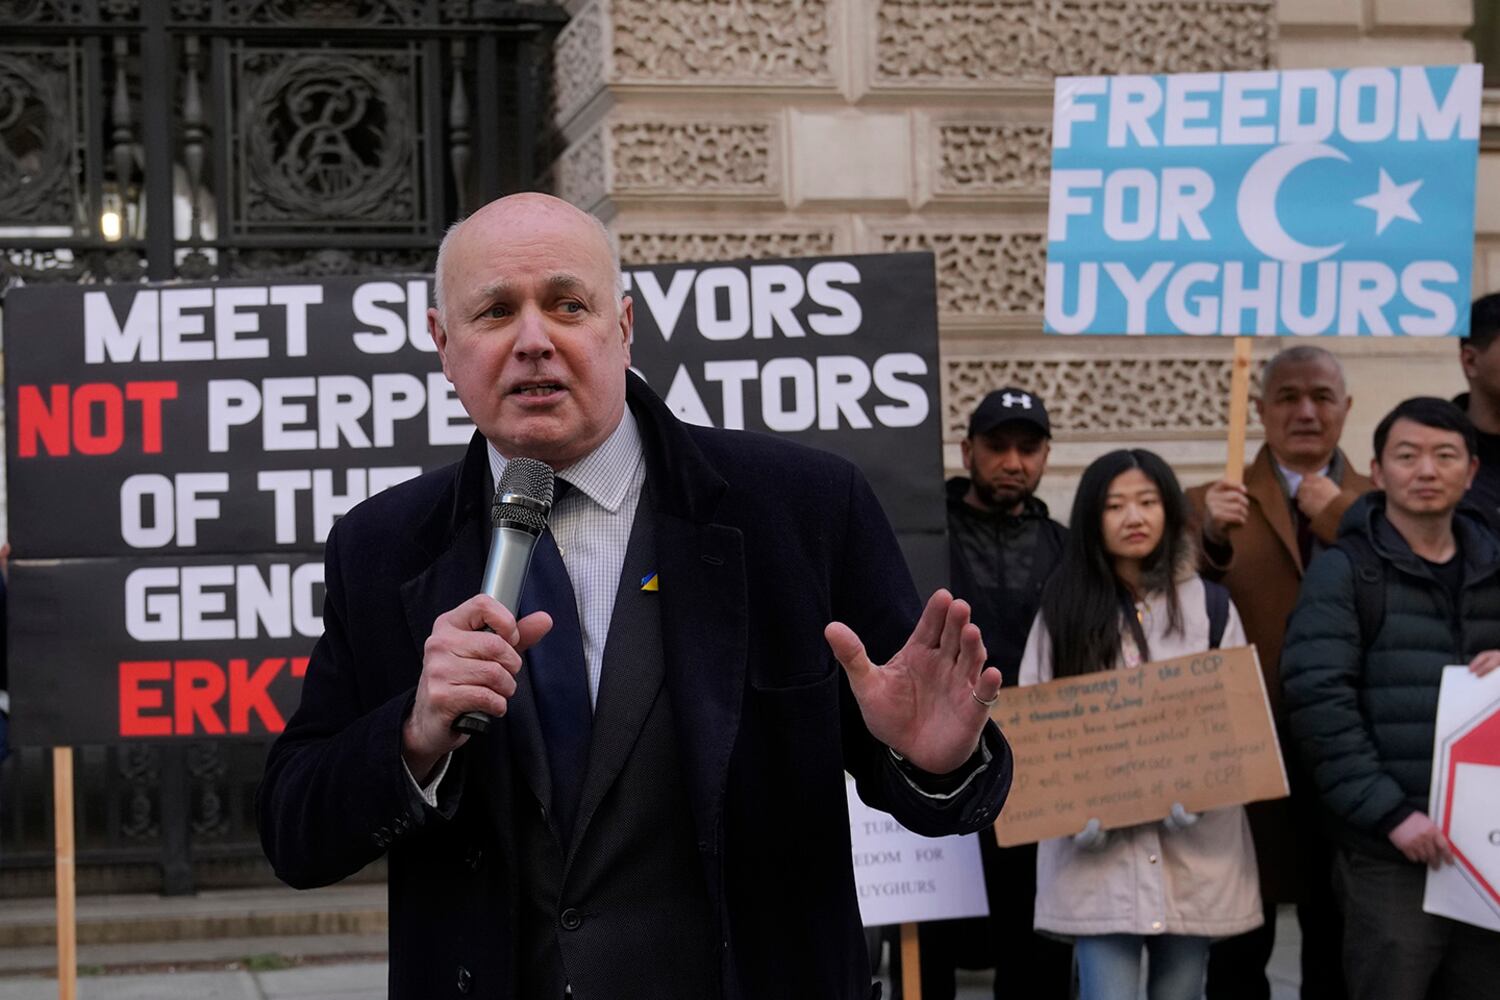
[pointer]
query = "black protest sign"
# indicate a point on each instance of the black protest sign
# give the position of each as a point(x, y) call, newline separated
point(178, 454)
point(116, 649)
point(837, 353)
point(229, 418)
point(176, 458)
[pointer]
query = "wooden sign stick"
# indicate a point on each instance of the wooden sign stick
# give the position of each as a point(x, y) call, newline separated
point(911, 964)
point(62, 826)
point(1239, 410)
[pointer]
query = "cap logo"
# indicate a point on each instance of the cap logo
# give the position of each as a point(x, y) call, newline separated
point(1023, 400)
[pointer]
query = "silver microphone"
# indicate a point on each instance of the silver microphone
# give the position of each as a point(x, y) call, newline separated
point(518, 516)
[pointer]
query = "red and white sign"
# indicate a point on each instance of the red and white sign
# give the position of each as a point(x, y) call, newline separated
point(1465, 791)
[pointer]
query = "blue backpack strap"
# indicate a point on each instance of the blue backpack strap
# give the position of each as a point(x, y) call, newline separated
point(1216, 603)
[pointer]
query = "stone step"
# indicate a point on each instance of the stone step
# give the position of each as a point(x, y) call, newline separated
point(357, 910)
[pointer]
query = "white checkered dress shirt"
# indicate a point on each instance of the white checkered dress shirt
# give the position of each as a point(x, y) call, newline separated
point(592, 528)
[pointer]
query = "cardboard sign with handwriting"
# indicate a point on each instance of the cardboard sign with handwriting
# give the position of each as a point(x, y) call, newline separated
point(1123, 745)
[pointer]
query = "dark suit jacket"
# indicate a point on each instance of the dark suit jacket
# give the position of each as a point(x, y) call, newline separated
point(1264, 574)
point(760, 543)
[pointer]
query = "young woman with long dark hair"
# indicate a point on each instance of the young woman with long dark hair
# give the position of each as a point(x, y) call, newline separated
point(1126, 593)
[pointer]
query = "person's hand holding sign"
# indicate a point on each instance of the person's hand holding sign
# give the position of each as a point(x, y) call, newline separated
point(1484, 662)
point(930, 701)
point(1228, 507)
point(1419, 838)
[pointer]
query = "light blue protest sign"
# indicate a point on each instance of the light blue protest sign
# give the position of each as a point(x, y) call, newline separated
point(1302, 202)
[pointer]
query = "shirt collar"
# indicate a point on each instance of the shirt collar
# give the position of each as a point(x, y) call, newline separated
point(1293, 480)
point(605, 474)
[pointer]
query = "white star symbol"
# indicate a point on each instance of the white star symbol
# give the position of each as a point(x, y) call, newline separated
point(1391, 202)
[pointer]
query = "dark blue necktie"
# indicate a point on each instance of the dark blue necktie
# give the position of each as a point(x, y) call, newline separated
point(559, 676)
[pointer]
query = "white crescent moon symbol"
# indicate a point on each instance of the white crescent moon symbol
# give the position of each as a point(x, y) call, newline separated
point(1257, 202)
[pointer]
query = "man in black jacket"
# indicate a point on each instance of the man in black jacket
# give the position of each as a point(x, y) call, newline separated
point(1479, 354)
point(1413, 585)
point(1002, 546)
point(658, 808)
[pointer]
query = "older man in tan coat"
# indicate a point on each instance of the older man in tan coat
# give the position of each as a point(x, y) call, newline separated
point(1259, 538)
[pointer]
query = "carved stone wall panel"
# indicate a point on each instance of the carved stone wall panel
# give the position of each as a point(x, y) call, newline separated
point(992, 158)
point(578, 70)
point(694, 157)
point(578, 63)
point(980, 273)
point(579, 174)
point(1091, 397)
point(639, 247)
point(722, 41)
point(986, 42)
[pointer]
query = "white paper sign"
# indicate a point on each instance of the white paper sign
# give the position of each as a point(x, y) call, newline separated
point(902, 877)
point(1465, 791)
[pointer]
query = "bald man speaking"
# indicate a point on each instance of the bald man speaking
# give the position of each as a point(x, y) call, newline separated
point(657, 809)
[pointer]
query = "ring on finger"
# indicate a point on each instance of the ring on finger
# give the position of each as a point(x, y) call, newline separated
point(987, 704)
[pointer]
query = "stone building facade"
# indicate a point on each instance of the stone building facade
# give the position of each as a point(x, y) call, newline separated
point(720, 129)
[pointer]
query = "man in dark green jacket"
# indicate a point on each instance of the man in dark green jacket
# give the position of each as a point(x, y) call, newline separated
point(1363, 707)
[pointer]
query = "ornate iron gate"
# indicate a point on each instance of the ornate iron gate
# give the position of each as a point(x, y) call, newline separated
point(199, 139)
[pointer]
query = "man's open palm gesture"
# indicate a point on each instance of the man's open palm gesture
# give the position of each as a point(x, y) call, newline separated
point(928, 702)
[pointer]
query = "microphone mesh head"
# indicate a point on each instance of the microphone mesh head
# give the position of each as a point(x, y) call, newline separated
point(528, 478)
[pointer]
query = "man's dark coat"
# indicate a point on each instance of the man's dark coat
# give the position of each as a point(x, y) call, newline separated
point(760, 543)
point(1364, 708)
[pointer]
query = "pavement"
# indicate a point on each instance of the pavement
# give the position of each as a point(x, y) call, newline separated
point(344, 981)
point(277, 944)
point(1283, 970)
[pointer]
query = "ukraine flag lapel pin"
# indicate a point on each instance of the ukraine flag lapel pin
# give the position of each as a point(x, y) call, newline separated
point(649, 582)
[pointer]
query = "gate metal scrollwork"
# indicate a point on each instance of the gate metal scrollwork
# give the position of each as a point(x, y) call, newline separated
point(35, 167)
point(365, 12)
point(244, 139)
point(140, 766)
point(39, 11)
point(206, 771)
point(328, 136)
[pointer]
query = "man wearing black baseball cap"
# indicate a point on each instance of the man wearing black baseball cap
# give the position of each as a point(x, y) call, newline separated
point(1002, 546)
point(1005, 455)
